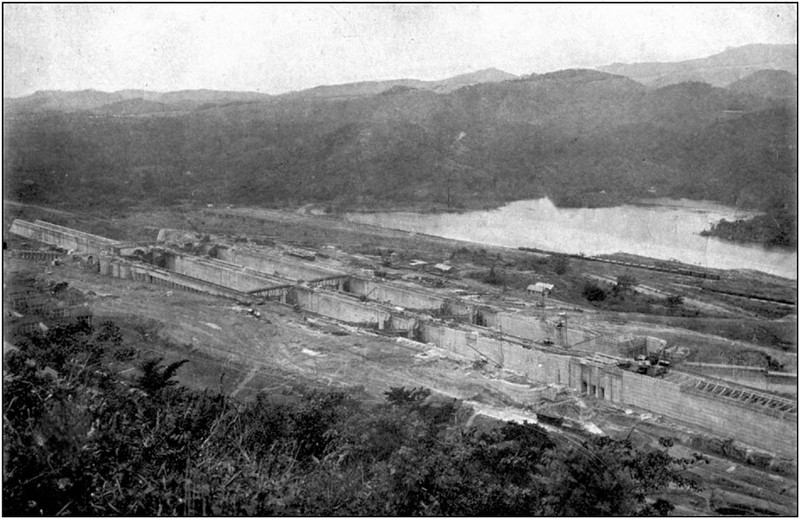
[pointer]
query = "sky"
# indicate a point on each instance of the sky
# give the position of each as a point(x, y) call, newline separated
point(274, 48)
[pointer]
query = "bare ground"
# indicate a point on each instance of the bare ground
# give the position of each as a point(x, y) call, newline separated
point(241, 355)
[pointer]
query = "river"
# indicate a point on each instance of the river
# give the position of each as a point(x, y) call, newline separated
point(662, 229)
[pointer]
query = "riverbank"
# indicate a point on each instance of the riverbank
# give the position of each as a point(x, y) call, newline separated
point(778, 231)
point(663, 233)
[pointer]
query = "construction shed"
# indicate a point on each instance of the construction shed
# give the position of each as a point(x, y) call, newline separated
point(541, 289)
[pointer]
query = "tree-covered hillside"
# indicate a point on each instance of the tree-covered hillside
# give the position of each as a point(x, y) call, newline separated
point(582, 137)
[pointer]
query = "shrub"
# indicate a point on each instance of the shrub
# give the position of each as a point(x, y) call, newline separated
point(593, 293)
point(674, 301)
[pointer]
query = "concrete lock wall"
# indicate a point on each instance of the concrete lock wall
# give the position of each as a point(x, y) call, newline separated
point(451, 339)
point(463, 309)
point(536, 365)
point(395, 295)
point(63, 237)
point(169, 279)
point(100, 240)
point(654, 345)
point(486, 317)
point(295, 270)
point(596, 381)
point(519, 393)
point(749, 376)
point(657, 395)
point(524, 327)
point(722, 418)
point(575, 335)
point(340, 307)
point(782, 382)
point(36, 255)
point(632, 346)
point(105, 265)
point(601, 344)
point(34, 232)
point(218, 273)
point(536, 329)
point(768, 432)
point(403, 322)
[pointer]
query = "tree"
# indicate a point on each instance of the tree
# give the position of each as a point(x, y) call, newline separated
point(402, 397)
point(611, 477)
point(493, 278)
point(593, 293)
point(155, 377)
point(673, 301)
point(110, 334)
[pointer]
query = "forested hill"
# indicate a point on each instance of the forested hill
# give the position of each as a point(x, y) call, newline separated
point(581, 137)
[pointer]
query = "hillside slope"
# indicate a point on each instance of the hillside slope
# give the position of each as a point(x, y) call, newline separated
point(581, 137)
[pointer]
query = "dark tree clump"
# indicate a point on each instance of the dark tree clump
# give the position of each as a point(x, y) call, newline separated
point(593, 293)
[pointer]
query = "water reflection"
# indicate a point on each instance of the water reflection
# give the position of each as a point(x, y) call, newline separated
point(669, 230)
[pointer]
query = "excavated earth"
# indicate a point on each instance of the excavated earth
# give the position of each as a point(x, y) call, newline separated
point(231, 350)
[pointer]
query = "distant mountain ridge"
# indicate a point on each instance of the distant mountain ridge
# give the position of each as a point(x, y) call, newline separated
point(96, 100)
point(368, 88)
point(582, 137)
point(718, 70)
point(58, 100)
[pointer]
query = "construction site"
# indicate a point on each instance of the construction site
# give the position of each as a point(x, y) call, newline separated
point(346, 318)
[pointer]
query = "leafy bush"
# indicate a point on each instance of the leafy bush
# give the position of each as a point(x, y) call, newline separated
point(673, 301)
point(155, 377)
point(593, 293)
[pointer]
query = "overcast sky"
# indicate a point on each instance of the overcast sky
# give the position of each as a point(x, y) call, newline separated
point(277, 48)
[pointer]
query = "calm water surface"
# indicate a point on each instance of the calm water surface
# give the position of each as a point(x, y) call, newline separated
point(668, 230)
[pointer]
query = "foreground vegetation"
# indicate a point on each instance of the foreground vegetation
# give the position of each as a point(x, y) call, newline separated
point(80, 439)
